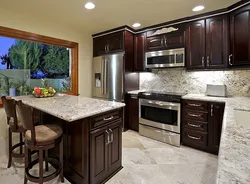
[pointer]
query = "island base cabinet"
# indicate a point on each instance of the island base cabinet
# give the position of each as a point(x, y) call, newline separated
point(105, 152)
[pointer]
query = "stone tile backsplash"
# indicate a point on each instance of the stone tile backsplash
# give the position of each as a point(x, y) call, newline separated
point(180, 80)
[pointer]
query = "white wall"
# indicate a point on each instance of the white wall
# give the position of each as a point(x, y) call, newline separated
point(38, 25)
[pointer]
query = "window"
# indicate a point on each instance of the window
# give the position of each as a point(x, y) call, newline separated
point(29, 60)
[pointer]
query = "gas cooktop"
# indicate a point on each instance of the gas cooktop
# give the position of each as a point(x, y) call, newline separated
point(161, 95)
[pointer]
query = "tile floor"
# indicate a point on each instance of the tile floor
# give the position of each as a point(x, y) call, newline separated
point(145, 161)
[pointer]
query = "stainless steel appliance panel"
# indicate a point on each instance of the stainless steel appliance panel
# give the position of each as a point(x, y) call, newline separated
point(160, 135)
point(100, 82)
point(160, 105)
point(115, 65)
point(165, 58)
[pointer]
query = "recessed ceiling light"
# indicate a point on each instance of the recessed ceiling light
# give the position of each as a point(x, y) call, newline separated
point(89, 5)
point(198, 8)
point(136, 25)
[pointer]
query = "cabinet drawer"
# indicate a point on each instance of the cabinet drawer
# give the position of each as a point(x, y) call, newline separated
point(195, 125)
point(194, 138)
point(195, 105)
point(105, 119)
point(195, 115)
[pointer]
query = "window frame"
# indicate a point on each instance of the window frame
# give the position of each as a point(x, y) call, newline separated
point(23, 35)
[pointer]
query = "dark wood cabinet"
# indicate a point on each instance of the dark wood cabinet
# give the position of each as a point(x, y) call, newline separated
point(165, 41)
point(98, 155)
point(195, 45)
point(207, 43)
point(155, 43)
point(105, 151)
point(139, 52)
point(110, 43)
point(115, 147)
point(217, 42)
point(201, 124)
point(132, 112)
point(215, 120)
point(240, 37)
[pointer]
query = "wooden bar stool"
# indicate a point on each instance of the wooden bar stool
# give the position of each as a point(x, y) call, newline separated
point(40, 138)
point(15, 126)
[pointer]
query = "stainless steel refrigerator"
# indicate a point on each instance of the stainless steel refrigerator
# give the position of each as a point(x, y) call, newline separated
point(108, 72)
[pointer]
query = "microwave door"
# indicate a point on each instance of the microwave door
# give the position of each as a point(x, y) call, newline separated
point(99, 86)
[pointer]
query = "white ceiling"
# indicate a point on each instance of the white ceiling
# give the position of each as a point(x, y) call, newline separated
point(110, 13)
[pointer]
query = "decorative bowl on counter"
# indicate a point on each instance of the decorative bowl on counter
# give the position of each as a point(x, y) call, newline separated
point(43, 92)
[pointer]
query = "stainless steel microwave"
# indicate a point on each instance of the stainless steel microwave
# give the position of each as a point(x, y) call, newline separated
point(165, 58)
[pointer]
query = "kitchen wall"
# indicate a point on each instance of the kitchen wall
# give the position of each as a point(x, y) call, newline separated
point(38, 25)
point(238, 81)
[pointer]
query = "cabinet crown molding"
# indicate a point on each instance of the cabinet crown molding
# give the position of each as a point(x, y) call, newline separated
point(165, 30)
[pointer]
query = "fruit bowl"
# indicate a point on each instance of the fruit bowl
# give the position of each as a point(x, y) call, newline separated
point(43, 92)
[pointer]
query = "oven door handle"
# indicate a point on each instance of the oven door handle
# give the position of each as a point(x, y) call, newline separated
point(165, 105)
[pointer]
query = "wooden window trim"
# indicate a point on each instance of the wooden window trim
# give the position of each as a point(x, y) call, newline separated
point(23, 35)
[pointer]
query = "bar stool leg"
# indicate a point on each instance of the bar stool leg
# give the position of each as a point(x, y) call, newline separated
point(26, 152)
point(46, 162)
point(40, 165)
point(61, 160)
point(10, 149)
point(21, 140)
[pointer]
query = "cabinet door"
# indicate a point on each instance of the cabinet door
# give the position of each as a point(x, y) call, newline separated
point(174, 40)
point(217, 42)
point(195, 45)
point(155, 43)
point(240, 37)
point(99, 46)
point(115, 42)
point(98, 155)
point(139, 52)
point(115, 147)
point(215, 120)
point(133, 107)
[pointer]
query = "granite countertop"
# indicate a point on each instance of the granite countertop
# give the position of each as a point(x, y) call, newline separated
point(234, 152)
point(68, 107)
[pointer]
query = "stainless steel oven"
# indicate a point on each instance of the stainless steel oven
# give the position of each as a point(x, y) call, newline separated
point(160, 120)
point(165, 58)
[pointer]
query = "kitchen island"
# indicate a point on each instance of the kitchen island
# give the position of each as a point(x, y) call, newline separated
point(92, 134)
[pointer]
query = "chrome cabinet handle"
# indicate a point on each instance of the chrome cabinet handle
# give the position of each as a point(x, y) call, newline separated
point(112, 135)
point(107, 132)
point(165, 42)
point(230, 59)
point(195, 138)
point(194, 105)
point(161, 42)
point(208, 61)
point(107, 119)
point(192, 125)
point(202, 61)
point(194, 115)
point(212, 110)
point(108, 48)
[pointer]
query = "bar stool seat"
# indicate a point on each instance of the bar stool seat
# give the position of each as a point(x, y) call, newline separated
point(40, 138)
point(45, 134)
point(14, 126)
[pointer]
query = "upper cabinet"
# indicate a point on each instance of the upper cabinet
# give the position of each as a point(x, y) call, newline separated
point(165, 38)
point(139, 52)
point(108, 44)
point(240, 37)
point(207, 43)
point(195, 45)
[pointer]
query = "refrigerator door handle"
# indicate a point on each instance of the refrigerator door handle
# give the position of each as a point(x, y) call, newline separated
point(105, 77)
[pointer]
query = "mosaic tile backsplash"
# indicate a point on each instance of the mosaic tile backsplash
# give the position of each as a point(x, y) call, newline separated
point(180, 80)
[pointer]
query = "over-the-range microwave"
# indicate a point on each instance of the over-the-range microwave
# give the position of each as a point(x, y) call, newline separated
point(165, 58)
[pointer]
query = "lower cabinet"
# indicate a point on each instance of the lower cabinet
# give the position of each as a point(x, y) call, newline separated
point(105, 151)
point(201, 127)
point(132, 112)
